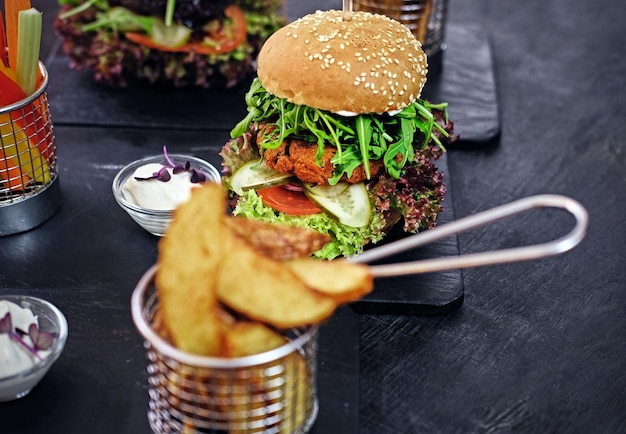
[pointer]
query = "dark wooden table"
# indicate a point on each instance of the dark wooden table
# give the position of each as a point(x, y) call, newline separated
point(529, 347)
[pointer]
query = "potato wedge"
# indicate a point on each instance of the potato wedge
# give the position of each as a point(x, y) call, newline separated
point(341, 280)
point(280, 242)
point(277, 398)
point(246, 338)
point(186, 278)
point(297, 386)
point(265, 290)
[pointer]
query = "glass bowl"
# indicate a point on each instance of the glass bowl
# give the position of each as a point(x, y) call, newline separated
point(50, 319)
point(156, 221)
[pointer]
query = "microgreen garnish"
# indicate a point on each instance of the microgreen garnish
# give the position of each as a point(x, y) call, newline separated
point(41, 341)
point(163, 173)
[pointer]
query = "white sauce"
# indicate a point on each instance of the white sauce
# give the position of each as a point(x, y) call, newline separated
point(155, 194)
point(349, 114)
point(13, 357)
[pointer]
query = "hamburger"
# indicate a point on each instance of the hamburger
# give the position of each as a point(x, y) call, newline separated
point(336, 137)
point(178, 43)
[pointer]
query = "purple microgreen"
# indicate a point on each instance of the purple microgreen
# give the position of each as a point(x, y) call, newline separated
point(180, 168)
point(5, 323)
point(164, 175)
point(41, 340)
point(167, 157)
point(140, 178)
point(197, 177)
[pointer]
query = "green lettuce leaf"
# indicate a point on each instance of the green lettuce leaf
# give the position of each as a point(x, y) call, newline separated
point(346, 241)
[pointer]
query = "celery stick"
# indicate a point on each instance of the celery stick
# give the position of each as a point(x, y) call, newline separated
point(28, 46)
point(169, 12)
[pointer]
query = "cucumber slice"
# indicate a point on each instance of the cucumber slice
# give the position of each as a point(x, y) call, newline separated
point(257, 176)
point(351, 207)
point(172, 36)
point(326, 190)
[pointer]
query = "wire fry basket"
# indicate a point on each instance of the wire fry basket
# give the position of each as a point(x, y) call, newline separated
point(29, 189)
point(272, 392)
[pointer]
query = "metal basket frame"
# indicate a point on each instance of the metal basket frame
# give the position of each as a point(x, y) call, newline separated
point(272, 392)
point(29, 191)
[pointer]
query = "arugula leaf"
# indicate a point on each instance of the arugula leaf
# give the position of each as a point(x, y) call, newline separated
point(364, 133)
point(358, 139)
point(120, 19)
point(81, 7)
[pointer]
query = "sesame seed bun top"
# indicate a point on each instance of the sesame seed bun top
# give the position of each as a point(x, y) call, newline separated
point(367, 63)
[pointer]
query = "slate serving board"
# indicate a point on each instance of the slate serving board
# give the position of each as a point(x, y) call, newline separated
point(466, 82)
point(420, 294)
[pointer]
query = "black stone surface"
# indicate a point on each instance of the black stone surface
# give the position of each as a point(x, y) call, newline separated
point(536, 347)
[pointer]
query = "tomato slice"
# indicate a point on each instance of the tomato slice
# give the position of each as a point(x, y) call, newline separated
point(225, 40)
point(288, 201)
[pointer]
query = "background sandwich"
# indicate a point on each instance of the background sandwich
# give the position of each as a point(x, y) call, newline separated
point(205, 43)
point(336, 138)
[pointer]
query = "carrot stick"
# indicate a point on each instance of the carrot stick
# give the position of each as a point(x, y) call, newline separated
point(12, 9)
point(11, 92)
point(3, 43)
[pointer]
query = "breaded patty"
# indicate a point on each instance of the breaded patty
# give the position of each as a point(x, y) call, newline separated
point(299, 158)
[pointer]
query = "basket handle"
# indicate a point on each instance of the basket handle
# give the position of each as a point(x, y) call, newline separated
point(536, 251)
